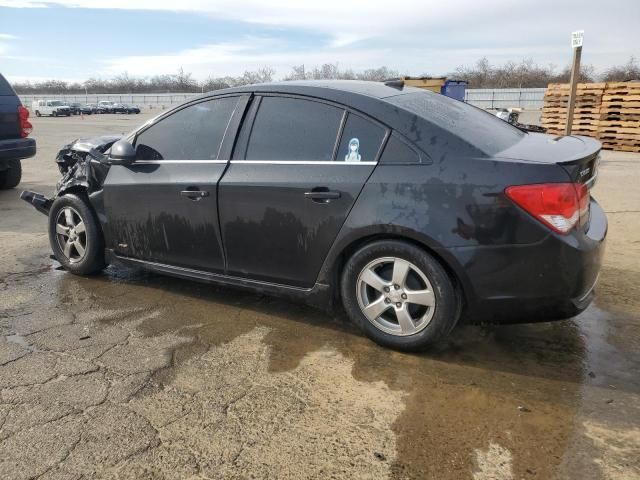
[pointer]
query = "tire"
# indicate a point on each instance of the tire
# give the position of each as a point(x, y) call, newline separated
point(10, 178)
point(91, 240)
point(424, 323)
point(38, 113)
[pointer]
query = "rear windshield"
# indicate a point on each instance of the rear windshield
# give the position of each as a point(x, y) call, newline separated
point(474, 126)
point(5, 88)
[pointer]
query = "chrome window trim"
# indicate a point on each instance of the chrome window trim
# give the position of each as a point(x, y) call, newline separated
point(158, 162)
point(299, 162)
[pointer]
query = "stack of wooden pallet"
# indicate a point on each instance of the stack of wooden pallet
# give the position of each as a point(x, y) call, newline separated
point(619, 127)
point(609, 112)
point(586, 113)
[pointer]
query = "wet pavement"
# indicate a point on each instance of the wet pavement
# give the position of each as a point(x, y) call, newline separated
point(133, 375)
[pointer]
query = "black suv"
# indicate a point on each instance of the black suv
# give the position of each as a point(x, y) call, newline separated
point(14, 129)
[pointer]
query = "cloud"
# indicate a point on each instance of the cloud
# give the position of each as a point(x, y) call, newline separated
point(416, 36)
point(5, 45)
point(345, 22)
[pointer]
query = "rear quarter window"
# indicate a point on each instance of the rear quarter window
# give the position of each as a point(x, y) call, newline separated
point(397, 151)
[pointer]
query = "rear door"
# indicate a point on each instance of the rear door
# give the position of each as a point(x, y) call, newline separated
point(298, 167)
point(164, 207)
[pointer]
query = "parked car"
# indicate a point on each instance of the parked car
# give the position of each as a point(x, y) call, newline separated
point(78, 108)
point(14, 131)
point(74, 108)
point(55, 108)
point(132, 109)
point(411, 208)
point(95, 108)
point(106, 106)
point(119, 108)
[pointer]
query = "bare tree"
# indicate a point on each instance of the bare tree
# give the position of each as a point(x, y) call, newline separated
point(623, 73)
point(524, 74)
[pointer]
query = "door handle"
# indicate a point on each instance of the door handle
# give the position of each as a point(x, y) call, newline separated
point(322, 194)
point(194, 194)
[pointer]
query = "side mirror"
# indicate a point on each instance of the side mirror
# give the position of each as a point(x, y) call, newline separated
point(122, 153)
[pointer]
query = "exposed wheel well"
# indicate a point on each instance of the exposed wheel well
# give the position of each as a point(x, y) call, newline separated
point(350, 249)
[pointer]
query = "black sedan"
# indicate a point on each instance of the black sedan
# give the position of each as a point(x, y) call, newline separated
point(78, 108)
point(411, 209)
point(119, 108)
point(133, 109)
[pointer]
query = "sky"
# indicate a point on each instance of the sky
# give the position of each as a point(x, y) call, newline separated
point(75, 40)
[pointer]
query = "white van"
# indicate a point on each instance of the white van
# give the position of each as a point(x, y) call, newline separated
point(50, 107)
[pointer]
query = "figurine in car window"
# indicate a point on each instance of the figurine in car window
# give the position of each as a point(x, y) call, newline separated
point(354, 154)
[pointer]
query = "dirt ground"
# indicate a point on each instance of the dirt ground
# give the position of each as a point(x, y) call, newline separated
point(134, 375)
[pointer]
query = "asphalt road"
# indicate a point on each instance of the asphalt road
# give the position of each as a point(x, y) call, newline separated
point(133, 375)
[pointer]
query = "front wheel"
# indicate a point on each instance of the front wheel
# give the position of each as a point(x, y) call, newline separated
point(75, 235)
point(399, 295)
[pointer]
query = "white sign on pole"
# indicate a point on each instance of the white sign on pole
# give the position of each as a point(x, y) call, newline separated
point(576, 38)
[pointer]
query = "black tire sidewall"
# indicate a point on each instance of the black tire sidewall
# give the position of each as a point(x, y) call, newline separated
point(447, 308)
point(10, 178)
point(93, 260)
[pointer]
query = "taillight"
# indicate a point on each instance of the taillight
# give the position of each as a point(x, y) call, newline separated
point(560, 206)
point(25, 125)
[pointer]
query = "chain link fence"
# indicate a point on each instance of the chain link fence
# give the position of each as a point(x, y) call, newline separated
point(491, 98)
point(487, 98)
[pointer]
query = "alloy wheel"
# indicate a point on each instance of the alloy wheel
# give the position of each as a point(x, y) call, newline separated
point(395, 296)
point(71, 234)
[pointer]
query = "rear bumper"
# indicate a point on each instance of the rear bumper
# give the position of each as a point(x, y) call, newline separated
point(550, 280)
point(17, 149)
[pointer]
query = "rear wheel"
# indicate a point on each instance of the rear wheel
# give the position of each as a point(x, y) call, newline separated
point(75, 235)
point(399, 295)
point(38, 113)
point(11, 177)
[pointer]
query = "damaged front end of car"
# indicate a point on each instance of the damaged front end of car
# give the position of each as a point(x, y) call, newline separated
point(83, 166)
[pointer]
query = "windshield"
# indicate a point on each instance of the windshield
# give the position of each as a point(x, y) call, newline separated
point(474, 126)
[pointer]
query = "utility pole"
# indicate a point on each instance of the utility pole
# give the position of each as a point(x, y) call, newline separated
point(576, 44)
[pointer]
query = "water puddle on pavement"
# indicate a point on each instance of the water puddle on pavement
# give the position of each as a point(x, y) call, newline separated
point(511, 401)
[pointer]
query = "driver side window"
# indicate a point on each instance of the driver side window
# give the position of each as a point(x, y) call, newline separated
point(192, 133)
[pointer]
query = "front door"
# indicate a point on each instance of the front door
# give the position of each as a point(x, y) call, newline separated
point(298, 168)
point(164, 208)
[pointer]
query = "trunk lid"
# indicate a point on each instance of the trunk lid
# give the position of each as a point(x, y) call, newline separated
point(9, 103)
point(578, 156)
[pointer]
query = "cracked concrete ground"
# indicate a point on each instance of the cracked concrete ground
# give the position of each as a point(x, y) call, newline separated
point(134, 375)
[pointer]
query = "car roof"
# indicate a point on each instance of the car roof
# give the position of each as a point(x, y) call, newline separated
point(358, 87)
point(336, 90)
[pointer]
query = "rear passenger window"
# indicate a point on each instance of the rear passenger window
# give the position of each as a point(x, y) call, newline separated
point(397, 151)
point(293, 129)
point(361, 140)
point(193, 133)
